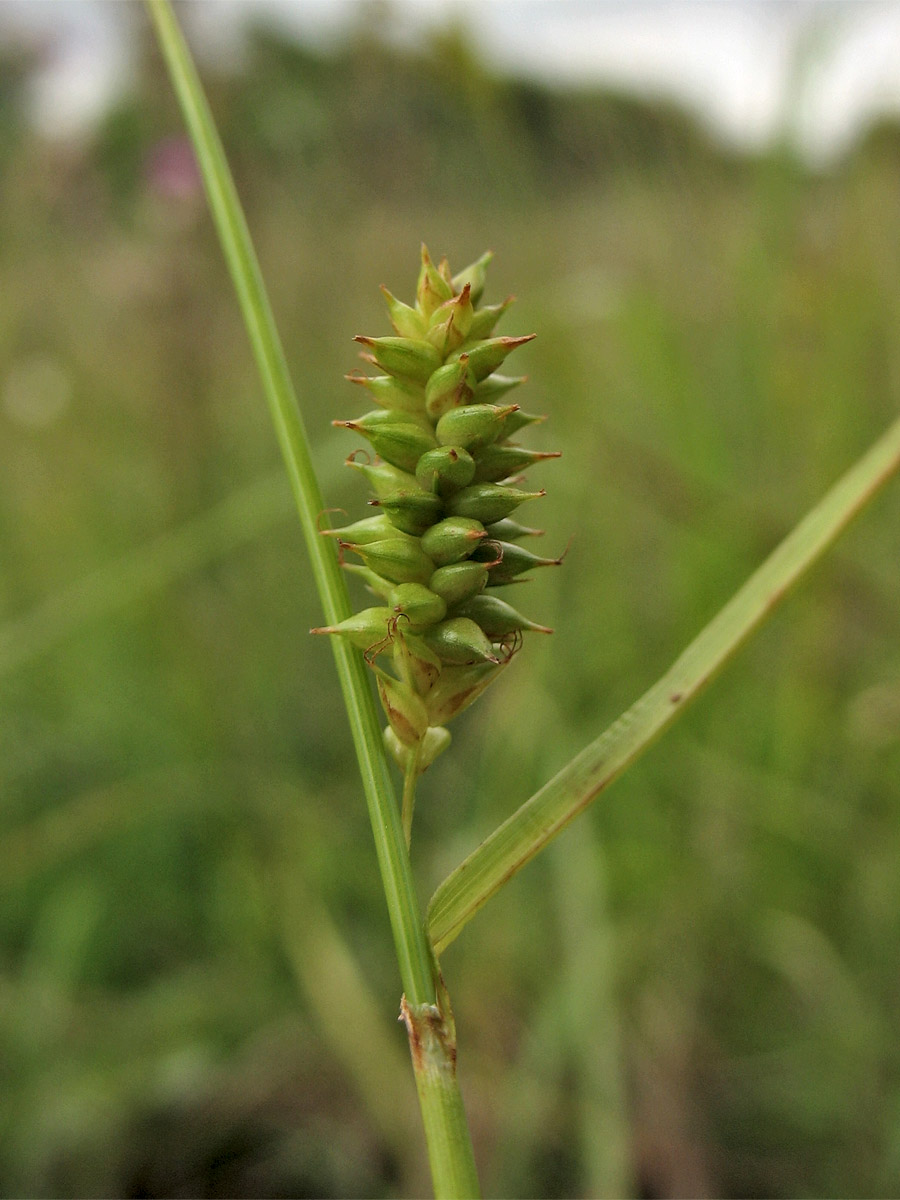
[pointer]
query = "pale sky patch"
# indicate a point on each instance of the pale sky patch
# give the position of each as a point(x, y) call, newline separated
point(815, 70)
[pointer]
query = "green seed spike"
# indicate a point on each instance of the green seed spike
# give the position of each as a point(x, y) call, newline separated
point(404, 710)
point(486, 356)
point(390, 392)
point(369, 529)
point(381, 477)
point(488, 502)
point(493, 463)
point(451, 323)
point(419, 604)
point(364, 629)
point(474, 275)
point(497, 618)
point(508, 530)
point(472, 425)
point(406, 358)
point(411, 510)
point(485, 319)
point(458, 687)
point(443, 474)
point(452, 539)
point(432, 289)
point(445, 469)
point(511, 560)
point(459, 641)
point(449, 386)
point(435, 742)
point(408, 322)
point(459, 581)
point(400, 438)
point(402, 560)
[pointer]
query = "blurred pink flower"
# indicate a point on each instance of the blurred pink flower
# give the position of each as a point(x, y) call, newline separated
point(172, 171)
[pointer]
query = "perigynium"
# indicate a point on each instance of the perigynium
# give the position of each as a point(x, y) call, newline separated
point(445, 479)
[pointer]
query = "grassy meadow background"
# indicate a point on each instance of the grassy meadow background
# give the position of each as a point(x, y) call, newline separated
point(696, 991)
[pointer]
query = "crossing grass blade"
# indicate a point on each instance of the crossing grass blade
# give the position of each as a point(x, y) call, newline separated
point(540, 819)
point(244, 515)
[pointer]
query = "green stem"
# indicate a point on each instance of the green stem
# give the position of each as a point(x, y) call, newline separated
point(432, 1043)
point(449, 1144)
point(410, 778)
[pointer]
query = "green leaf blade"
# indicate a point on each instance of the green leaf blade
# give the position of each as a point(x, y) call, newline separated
point(524, 834)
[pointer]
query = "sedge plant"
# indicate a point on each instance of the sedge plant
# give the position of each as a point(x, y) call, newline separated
point(443, 541)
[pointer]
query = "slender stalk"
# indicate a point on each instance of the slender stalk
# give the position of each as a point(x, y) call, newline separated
point(431, 1040)
point(410, 778)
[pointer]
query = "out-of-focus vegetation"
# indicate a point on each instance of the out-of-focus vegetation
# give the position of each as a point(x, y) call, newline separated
point(696, 991)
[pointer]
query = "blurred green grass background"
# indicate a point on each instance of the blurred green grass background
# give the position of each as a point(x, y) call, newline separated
point(696, 991)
